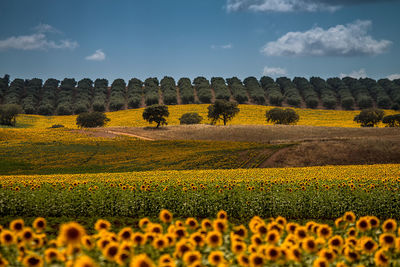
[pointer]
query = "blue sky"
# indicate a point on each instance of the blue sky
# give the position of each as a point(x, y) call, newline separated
point(188, 38)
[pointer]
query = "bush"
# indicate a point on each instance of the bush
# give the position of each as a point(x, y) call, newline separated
point(282, 116)
point(392, 120)
point(9, 113)
point(190, 118)
point(157, 114)
point(91, 120)
point(369, 117)
point(54, 126)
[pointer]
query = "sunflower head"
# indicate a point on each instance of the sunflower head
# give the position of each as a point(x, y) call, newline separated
point(39, 224)
point(389, 225)
point(166, 216)
point(17, 225)
point(216, 258)
point(214, 239)
point(71, 233)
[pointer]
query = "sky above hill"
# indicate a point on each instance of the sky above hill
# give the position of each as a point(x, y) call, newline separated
point(188, 38)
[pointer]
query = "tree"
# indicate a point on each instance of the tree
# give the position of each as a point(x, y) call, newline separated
point(222, 109)
point(156, 113)
point(369, 117)
point(392, 120)
point(91, 120)
point(9, 113)
point(190, 118)
point(282, 116)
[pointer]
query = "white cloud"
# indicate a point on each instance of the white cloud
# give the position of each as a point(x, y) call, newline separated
point(394, 76)
point(357, 74)
point(280, 5)
point(43, 28)
point(37, 41)
point(97, 56)
point(226, 46)
point(342, 40)
point(273, 71)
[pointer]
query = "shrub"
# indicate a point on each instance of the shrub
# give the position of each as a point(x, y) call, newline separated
point(156, 113)
point(282, 116)
point(91, 120)
point(369, 117)
point(392, 120)
point(54, 126)
point(9, 113)
point(190, 118)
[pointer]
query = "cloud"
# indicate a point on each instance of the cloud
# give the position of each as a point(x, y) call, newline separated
point(43, 28)
point(394, 76)
point(36, 41)
point(97, 56)
point(226, 46)
point(357, 74)
point(342, 40)
point(273, 71)
point(291, 5)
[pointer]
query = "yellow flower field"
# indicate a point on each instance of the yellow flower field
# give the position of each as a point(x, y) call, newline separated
point(168, 242)
point(249, 114)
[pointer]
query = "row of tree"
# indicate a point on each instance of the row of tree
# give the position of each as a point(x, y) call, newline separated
point(72, 97)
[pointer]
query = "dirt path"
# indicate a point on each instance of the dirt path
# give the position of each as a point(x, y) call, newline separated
point(130, 135)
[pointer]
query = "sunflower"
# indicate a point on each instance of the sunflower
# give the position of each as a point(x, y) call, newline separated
point(261, 229)
point(7, 238)
point(85, 261)
point(222, 215)
point(191, 257)
point(256, 260)
point(51, 255)
point(165, 259)
point(272, 253)
point(336, 241)
point(351, 255)
point(352, 231)
point(240, 231)
point(102, 243)
point(3, 262)
point(363, 224)
point(206, 224)
point(281, 220)
point(301, 232)
point(324, 231)
point(349, 217)
point(238, 247)
point(160, 242)
point(381, 258)
point(111, 250)
point(180, 232)
point(214, 239)
point(125, 234)
point(220, 225)
point(216, 258)
point(138, 239)
point(170, 238)
point(71, 233)
point(351, 241)
point(272, 237)
point(17, 225)
point(340, 222)
point(387, 240)
point(143, 223)
point(166, 216)
point(27, 235)
point(87, 242)
point(39, 224)
point(373, 221)
point(291, 227)
point(389, 225)
point(309, 245)
point(155, 228)
point(141, 260)
point(182, 247)
point(102, 225)
point(294, 254)
point(321, 262)
point(198, 239)
point(368, 245)
point(243, 260)
point(122, 257)
point(327, 254)
point(256, 239)
point(192, 223)
point(32, 260)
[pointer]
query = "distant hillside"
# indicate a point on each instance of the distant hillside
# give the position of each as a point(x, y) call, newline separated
point(69, 96)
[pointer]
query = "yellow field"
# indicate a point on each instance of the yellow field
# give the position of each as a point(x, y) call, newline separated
point(249, 114)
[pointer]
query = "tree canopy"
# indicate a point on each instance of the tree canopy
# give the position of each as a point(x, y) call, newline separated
point(156, 113)
point(222, 110)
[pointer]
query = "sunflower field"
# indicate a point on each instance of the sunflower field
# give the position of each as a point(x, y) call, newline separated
point(295, 193)
point(166, 241)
